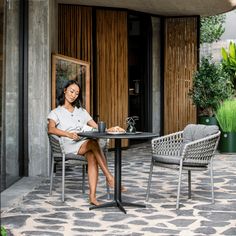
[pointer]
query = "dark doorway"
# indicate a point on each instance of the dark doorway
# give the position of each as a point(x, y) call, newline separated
point(139, 68)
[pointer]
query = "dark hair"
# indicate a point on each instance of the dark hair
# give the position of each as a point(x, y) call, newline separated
point(61, 97)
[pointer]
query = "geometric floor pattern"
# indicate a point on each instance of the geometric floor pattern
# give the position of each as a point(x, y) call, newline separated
point(40, 214)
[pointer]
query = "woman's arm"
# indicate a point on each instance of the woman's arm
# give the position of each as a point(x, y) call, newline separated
point(93, 124)
point(52, 129)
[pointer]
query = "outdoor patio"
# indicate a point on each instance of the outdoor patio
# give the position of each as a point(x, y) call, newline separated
point(40, 214)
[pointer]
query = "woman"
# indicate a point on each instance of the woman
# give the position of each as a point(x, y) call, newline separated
point(66, 121)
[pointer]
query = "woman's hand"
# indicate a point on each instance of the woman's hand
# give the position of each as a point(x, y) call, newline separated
point(73, 135)
point(52, 129)
point(116, 129)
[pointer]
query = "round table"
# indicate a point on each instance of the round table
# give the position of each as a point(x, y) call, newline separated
point(117, 201)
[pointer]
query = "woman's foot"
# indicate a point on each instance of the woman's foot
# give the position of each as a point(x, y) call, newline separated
point(111, 184)
point(93, 201)
point(123, 189)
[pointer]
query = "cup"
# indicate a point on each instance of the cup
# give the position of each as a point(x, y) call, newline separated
point(101, 126)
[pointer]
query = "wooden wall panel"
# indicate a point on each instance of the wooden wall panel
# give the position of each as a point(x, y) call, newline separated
point(180, 63)
point(112, 66)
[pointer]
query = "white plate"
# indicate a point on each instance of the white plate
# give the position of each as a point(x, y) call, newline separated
point(117, 132)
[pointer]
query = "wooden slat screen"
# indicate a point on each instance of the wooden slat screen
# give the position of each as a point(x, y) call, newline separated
point(112, 66)
point(75, 34)
point(75, 31)
point(179, 65)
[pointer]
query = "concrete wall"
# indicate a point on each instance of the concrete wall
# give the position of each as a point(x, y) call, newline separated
point(214, 49)
point(156, 102)
point(41, 17)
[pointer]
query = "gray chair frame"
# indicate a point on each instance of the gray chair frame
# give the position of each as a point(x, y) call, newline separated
point(58, 155)
point(193, 156)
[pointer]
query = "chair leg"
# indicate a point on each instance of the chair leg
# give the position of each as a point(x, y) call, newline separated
point(179, 184)
point(149, 180)
point(189, 184)
point(51, 175)
point(84, 167)
point(212, 183)
point(63, 179)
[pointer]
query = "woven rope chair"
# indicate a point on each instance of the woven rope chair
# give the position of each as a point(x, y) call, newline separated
point(191, 149)
point(58, 155)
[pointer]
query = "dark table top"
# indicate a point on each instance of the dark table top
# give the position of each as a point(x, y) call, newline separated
point(137, 135)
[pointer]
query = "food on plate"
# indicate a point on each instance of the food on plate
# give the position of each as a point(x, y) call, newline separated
point(115, 129)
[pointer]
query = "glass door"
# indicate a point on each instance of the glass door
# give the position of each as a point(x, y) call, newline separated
point(139, 63)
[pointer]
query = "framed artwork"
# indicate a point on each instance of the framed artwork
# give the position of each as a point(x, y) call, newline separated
point(66, 68)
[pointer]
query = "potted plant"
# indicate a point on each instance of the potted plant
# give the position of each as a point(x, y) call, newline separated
point(226, 117)
point(211, 86)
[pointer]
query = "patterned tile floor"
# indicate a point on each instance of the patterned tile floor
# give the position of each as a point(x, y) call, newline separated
point(40, 214)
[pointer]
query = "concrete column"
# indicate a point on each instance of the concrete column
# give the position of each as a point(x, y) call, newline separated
point(40, 38)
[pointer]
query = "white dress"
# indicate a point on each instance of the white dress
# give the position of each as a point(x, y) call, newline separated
point(71, 121)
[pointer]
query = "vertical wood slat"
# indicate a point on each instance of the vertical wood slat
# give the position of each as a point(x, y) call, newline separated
point(112, 77)
point(179, 65)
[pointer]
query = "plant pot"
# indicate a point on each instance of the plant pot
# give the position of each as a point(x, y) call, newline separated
point(207, 120)
point(227, 142)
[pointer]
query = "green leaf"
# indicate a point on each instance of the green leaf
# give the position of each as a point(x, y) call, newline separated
point(224, 54)
point(3, 231)
point(232, 50)
point(232, 62)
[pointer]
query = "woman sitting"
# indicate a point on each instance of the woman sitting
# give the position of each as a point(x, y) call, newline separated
point(68, 119)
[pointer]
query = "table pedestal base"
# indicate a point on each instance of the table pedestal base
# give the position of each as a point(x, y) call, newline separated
point(117, 203)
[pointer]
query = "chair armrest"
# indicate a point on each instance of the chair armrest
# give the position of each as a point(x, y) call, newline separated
point(201, 151)
point(55, 144)
point(169, 145)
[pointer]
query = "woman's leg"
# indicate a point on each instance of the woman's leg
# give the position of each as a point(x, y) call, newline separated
point(92, 177)
point(92, 146)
